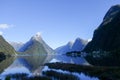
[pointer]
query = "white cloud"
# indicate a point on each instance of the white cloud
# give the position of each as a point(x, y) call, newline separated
point(5, 26)
point(1, 32)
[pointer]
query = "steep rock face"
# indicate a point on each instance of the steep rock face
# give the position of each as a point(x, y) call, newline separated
point(36, 45)
point(107, 36)
point(105, 43)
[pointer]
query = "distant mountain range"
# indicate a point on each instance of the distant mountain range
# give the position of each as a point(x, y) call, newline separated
point(104, 49)
point(78, 45)
point(36, 45)
point(16, 45)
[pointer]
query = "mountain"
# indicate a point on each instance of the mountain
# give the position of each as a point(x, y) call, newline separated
point(16, 45)
point(5, 49)
point(36, 45)
point(105, 45)
point(64, 49)
point(78, 45)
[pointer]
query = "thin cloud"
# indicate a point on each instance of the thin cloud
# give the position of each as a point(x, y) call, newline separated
point(5, 26)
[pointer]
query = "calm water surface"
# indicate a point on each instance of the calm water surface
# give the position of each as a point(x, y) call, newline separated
point(34, 64)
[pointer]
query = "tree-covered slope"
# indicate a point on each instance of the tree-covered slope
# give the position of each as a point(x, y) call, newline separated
point(33, 47)
point(107, 36)
point(5, 47)
point(105, 45)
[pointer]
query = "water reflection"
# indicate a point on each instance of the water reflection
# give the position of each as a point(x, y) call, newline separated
point(34, 64)
point(68, 59)
point(31, 63)
point(6, 63)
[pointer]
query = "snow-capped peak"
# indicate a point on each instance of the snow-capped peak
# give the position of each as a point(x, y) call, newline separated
point(37, 36)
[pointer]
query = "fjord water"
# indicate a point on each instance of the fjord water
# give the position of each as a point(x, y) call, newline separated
point(34, 64)
point(6, 63)
point(27, 63)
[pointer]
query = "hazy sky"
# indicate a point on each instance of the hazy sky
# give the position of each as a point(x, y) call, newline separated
point(58, 21)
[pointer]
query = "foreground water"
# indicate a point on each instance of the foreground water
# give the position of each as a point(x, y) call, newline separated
point(34, 65)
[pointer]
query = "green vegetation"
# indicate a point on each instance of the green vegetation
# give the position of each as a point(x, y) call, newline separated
point(6, 48)
point(103, 58)
point(2, 56)
point(60, 76)
point(24, 76)
point(103, 73)
point(7, 78)
point(34, 48)
point(6, 63)
point(106, 38)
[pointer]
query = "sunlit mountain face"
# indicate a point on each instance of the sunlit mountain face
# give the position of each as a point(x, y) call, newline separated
point(36, 45)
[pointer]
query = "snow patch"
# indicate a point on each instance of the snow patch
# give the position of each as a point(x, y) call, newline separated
point(37, 36)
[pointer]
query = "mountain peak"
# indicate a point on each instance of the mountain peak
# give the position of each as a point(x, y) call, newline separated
point(70, 42)
point(79, 40)
point(110, 15)
point(36, 45)
point(37, 36)
point(118, 5)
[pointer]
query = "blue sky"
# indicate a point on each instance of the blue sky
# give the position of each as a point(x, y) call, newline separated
point(58, 21)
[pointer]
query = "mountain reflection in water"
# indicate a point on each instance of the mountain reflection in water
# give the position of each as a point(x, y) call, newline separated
point(34, 64)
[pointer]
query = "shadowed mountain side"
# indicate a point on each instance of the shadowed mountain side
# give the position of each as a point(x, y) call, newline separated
point(6, 50)
point(5, 47)
point(105, 45)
